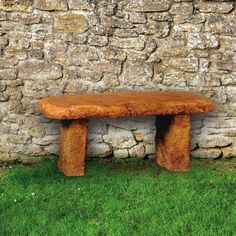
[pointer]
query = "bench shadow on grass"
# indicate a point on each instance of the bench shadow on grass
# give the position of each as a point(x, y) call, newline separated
point(46, 171)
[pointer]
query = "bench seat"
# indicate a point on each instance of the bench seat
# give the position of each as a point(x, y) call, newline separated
point(84, 106)
point(173, 110)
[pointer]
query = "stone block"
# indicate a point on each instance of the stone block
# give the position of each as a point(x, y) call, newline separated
point(202, 41)
point(213, 141)
point(137, 73)
point(119, 138)
point(183, 8)
point(81, 5)
point(189, 64)
point(70, 23)
point(51, 5)
point(98, 150)
point(38, 69)
point(138, 151)
point(16, 5)
point(148, 6)
point(128, 43)
point(120, 153)
point(207, 153)
point(221, 25)
point(8, 74)
point(215, 7)
point(3, 41)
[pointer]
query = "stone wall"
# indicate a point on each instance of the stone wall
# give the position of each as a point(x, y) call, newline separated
point(78, 46)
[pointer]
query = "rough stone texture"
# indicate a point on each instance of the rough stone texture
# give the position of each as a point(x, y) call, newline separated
point(207, 153)
point(119, 138)
point(85, 46)
point(70, 23)
point(137, 151)
point(120, 153)
point(50, 5)
point(148, 5)
point(98, 149)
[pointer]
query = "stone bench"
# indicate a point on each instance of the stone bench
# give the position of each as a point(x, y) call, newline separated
point(173, 110)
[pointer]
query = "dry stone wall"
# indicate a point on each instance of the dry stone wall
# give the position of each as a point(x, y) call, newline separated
point(78, 46)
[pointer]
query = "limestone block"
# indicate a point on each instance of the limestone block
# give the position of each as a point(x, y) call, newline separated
point(227, 43)
point(50, 5)
point(174, 79)
point(184, 8)
point(3, 87)
point(189, 64)
point(99, 41)
point(98, 150)
point(107, 67)
point(51, 149)
point(148, 6)
point(70, 23)
point(207, 153)
point(229, 152)
point(81, 4)
point(121, 153)
point(213, 141)
point(204, 65)
point(145, 135)
point(220, 122)
point(160, 16)
point(38, 69)
point(74, 72)
point(8, 74)
point(81, 55)
point(138, 151)
point(24, 18)
point(3, 41)
point(16, 5)
point(95, 138)
point(137, 72)
point(150, 149)
point(119, 138)
point(113, 55)
point(215, 7)
point(202, 41)
point(110, 81)
point(7, 157)
point(204, 80)
point(128, 43)
point(126, 33)
point(15, 53)
point(221, 25)
point(137, 17)
point(49, 139)
point(229, 79)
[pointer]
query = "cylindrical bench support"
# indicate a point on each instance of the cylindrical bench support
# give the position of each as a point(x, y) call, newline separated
point(73, 142)
point(173, 137)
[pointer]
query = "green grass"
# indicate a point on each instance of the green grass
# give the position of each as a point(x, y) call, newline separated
point(119, 198)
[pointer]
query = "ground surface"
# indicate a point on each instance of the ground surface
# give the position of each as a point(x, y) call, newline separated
point(119, 198)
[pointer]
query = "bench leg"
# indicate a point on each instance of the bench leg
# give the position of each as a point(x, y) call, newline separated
point(73, 147)
point(173, 136)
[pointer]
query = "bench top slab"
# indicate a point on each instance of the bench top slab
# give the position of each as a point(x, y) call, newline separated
point(83, 106)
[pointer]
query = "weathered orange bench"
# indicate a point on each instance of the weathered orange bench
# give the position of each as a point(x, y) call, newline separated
point(173, 122)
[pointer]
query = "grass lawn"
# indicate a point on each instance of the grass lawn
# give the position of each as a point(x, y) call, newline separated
point(119, 198)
